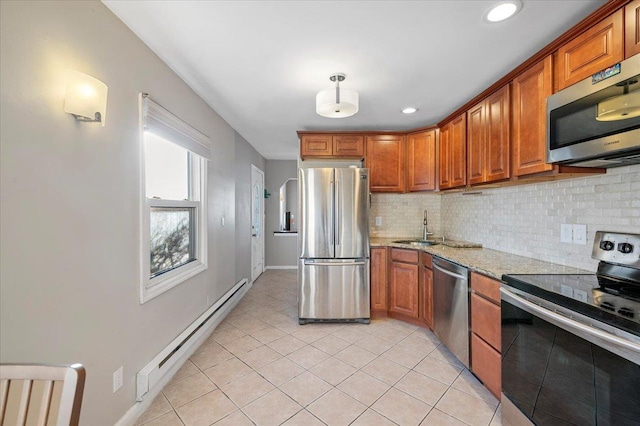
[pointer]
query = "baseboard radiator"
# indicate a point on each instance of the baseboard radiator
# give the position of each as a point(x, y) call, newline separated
point(166, 362)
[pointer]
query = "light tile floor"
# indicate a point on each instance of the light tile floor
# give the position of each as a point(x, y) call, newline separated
point(260, 367)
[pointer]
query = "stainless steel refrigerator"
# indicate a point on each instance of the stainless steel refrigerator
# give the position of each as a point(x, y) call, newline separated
point(333, 245)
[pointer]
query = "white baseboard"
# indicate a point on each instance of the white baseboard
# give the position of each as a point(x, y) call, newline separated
point(282, 267)
point(140, 407)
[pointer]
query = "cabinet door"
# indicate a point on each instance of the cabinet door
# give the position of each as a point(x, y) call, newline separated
point(385, 158)
point(444, 175)
point(475, 143)
point(403, 288)
point(378, 279)
point(497, 141)
point(594, 50)
point(348, 146)
point(486, 364)
point(530, 92)
point(427, 297)
point(458, 152)
point(632, 29)
point(421, 153)
point(316, 146)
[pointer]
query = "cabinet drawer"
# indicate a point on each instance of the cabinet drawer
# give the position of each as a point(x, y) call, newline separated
point(406, 256)
point(427, 260)
point(488, 287)
point(486, 364)
point(485, 320)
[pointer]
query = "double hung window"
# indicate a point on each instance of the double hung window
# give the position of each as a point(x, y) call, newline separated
point(173, 206)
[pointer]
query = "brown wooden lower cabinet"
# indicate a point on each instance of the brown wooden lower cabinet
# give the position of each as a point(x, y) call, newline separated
point(486, 364)
point(378, 280)
point(426, 286)
point(402, 286)
point(403, 289)
point(486, 333)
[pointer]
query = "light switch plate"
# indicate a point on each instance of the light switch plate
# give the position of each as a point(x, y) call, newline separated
point(378, 220)
point(566, 233)
point(580, 234)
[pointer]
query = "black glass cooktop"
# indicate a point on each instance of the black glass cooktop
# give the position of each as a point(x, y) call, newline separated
point(614, 302)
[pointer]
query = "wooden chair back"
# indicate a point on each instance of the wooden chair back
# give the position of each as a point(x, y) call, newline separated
point(40, 394)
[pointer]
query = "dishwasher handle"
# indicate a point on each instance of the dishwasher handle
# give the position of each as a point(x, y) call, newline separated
point(452, 274)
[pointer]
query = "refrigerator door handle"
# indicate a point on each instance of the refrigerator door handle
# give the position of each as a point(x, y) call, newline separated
point(315, 263)
point(338, 215)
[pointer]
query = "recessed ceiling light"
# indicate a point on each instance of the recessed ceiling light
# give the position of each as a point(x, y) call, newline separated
point(409, 110)
point(502, 10)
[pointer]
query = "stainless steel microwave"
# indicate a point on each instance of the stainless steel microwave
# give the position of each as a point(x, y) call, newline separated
point(596, 122)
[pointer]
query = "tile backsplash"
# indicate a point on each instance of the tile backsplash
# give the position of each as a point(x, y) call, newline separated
point(402, 214)
point(523, 220)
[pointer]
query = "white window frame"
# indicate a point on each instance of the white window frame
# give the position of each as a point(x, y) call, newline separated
point(157, 120)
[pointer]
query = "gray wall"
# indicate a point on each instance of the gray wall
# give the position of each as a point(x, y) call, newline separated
point(246, 155)
point(69, 210)
point(280, 250)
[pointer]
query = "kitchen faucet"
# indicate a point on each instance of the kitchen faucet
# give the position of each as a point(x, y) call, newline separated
point(425, 230)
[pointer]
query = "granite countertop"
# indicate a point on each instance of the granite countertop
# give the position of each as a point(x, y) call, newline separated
point(489, 262)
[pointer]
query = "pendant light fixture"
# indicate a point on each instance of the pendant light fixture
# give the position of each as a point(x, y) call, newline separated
point(337, 103)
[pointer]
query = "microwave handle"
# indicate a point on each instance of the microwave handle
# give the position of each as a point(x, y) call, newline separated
point(625, 348)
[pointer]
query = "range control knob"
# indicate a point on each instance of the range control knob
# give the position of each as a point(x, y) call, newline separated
point(625, 248)
point(606, 245)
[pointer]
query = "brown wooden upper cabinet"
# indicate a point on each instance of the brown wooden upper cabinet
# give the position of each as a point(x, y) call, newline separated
point(386, 162)
point(453, 156)
point(632, 29)
point(421, 156)
point(597, 48)
point(529, 111)
point(331, 146)
point(488, 139)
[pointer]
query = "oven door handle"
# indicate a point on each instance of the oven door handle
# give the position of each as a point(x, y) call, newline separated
point(596, 335)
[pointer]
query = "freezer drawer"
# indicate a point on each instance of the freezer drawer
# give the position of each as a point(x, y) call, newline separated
point(333, 290)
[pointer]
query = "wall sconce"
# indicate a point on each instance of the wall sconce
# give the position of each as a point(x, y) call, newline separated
point(85, 97)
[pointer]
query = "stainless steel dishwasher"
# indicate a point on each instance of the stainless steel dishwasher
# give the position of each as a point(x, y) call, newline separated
point(451, 307)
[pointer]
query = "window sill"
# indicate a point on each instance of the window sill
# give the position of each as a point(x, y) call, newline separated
point(156, 286)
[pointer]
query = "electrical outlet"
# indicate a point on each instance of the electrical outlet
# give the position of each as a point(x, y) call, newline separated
point(118, 378)
point(378, 220)
point(566, 233)
point(580, 234)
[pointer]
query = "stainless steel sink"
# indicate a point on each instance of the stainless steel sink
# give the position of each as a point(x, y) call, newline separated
point(418, 243)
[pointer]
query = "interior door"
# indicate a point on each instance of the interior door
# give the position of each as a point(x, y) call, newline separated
point(257, 222)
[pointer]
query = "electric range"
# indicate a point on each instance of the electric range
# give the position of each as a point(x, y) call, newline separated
point(571, 343)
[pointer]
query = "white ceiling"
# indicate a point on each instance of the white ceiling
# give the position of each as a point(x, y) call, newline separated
point(259, 64)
